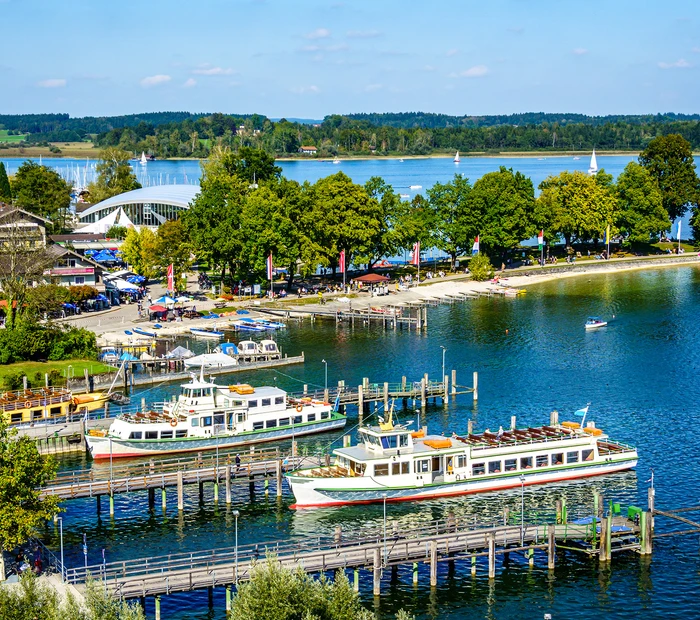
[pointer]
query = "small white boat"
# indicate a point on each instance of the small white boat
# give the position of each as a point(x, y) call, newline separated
point(270, 349)
point(336, 161)
point(457, 159)
point(206, 333)
point(415, 187)
point(400, 161)
point(576, 158)
point(595, 322)
point(143, 161)
point(211, 360)
point(404, 196)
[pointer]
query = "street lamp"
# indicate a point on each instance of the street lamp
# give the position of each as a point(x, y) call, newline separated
point(60, 529)
point(236, 514)
point(325, 385)
point(444, 350)
point(385, 555)
point(522, 510)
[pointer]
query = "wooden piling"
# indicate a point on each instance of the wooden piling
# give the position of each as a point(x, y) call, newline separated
point(360, 403)
point(356, 580)
point(163, 499)
point(647, 530)
point(151, 499)
point(386, 396)
point(603, 549)
point(513, 423)
point(558, 510)
point(554, 418)
point(454, 382)
point(338, 534)
point(377, 577)
point(651, 495)
point(423, 402)
point(446, 391)
point(551, 546)
point(470, 427)
point(228, 599)
point(475, 392)
point(228, 483)
point(180, 492)
point(433, 563)
point(415, 573)
point(278, 477)
point(201, 493)
point(157, 605)
point(492, 555)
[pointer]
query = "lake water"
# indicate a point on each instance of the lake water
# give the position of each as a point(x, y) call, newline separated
point(532, 355)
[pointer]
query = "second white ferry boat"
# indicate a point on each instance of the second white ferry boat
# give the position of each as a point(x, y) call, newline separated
point(396, 464)
point(206, 416)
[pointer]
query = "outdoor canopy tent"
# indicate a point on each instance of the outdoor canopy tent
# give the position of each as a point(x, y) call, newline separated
point(123, 285)
point(371, 278)
point(165, 299)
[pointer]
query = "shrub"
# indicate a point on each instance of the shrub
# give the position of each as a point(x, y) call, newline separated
point(480, 268)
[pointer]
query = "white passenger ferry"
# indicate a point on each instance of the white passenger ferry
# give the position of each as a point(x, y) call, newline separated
point(394, 463)
point(206, 416)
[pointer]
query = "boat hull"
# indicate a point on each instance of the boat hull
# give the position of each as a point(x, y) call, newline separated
point(100, 447)
point(316, 492)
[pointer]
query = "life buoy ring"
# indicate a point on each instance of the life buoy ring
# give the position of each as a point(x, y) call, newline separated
point(173, 422)
point(28, 404)
point(299, 408)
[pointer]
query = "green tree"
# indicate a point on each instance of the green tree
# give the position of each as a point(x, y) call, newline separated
point(248, 164)
point(117, 232)
point(172, 247)
point(391, 235)
point(417, 224)
point(40, 190)
point(46, 298)
point(506, 203)
point(480, 268)
point(456, 220)
point(141, 253)
point(669, 160)
point(114, 175)
point(23, 471)
point(641, 209)
point(574, 205)
point(277, 593)
point(5, 191)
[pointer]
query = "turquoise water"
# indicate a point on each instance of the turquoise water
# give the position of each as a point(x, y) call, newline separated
point(639, 374)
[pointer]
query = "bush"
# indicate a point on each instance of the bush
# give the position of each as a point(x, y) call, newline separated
point(34, 342)
point(480, 268)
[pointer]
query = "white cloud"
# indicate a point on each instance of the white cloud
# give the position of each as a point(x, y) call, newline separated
point(579, 51)
point(190, 83)
point(681, 63)
point(312, 49)
point(363, 34)
point(213, 71)
point(319, 33)
point(475, 72)
point(452, 52)
point(52, 83)
point(303, 90)
point(154, 80)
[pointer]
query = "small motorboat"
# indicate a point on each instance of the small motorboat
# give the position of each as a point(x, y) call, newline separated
point(144, 332)
point(594, 322)
point(206, 333)
point(157, 326)
point(128, 333)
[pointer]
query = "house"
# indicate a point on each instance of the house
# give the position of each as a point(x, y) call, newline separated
point(18, 226)
point(71, 269)
point(308, 150)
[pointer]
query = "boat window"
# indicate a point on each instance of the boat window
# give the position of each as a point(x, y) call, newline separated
point(241, 416)
point(461, 461)
point(511, 464)
point(558, 458)
point(257, 426)
point(478, 469)
point(381, 470)
point(135, 435)
point(297, 419)
point(572, 457)
point(55, 411)
point(284, 421)
point(437, 463)
point(494, 467)
point(403, 441)
point(265, 402)
point(219, 418)
point(181, 433)
point(389, 442)
point(526, 462)
point(36, 414)
point(238, 403)
point(399, 468)
point(312, 417)
point(279, 400)
point(151, 434)
point(15, 418)
point(358, 468)
point(271, 423)
point(325, 414)
point(586, 455)
point(422, 466)
point(166, 434)
point(542, 460)
point(206, 421)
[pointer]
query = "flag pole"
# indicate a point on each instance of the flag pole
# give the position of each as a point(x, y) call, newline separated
point(608, 236)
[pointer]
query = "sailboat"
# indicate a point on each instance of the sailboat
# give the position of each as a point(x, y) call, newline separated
point(143, 161)
point(457, 160)
point(593, 167)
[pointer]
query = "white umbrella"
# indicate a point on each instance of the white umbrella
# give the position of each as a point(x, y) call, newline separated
point(182, 298)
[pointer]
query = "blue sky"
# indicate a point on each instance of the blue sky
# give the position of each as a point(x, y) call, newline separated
point(309, 58)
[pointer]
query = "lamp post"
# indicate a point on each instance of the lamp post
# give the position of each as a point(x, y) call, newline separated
point(385, 556)
point(522, 509)
point(325, 385)
point(236, 514)
point(60, 530)
point(444, 350)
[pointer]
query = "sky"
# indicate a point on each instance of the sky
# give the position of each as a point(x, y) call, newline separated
point(311, 58)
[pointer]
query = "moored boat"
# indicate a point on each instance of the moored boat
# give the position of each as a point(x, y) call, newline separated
point(144, 332)
point(206, 333)
point(207, 416)
point(211, 360)
point(394, 463)
point(595, 322)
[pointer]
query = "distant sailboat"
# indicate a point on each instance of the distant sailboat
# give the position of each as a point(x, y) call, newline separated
point(143, 161)
point(457, 160)
point(593, 167)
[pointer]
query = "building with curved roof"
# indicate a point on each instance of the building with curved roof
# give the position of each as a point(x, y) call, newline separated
point(147, 206)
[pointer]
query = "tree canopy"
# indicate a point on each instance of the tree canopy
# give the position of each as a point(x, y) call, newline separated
point(114, 175)
point(641, 209)
point(5, 191)
point(40, 190)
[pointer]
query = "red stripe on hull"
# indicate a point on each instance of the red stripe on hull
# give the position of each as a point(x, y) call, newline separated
point(449, 494)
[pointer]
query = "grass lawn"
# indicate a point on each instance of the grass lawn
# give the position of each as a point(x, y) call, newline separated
point(29, 369)
point(4, 137)
point(68, 149)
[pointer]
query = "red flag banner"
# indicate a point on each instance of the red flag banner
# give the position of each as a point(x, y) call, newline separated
point(171, 278)
point(341, 262)
point(416, 253)
point(269, 267)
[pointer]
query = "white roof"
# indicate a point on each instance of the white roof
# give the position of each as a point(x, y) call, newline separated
point(177, 195)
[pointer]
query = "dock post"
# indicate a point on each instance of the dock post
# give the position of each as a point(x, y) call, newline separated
point(492, 555)
point(360, 403)
point(266, 485)
point(377, 585)
point(111, 503)
point(551, 546)
point(338, 534)
point(228, 483)
point(157, 601)
point(403, 383)
point(151, 499)
point(306, 389)
point(422, 394)
point(386, 396)
point(603, 550)
point(454, 382)
point(201, 493)
point(558, 509)
point(356, 580)
point(506, 514)
point(647, 529)
point(143, 405)
point(163, 499)
point(554, 418)
point(99, 504)
point(513, 423)
point(425, 317)
point(531, 557)
point(347, 440)
point(651, 494)
point(325, 395)
point(470, 427)
point(473, 566)
point(475, 392)
point(180, 492)
point(446, 391)
point(210, 596)
point(415, 573)
point(278, 477)
point(433, 563)
point(216, 487)
point(228, 599)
